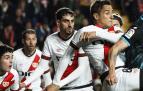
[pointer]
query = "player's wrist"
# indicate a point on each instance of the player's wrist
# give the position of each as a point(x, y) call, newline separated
point(22, 85)
point(57, 86)
point(112, 71)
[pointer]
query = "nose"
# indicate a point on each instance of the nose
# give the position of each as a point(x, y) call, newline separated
point(111, 16)
point(70, 23)
point(10, 61)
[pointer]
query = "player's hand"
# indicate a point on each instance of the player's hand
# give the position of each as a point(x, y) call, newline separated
point(52, 87)
point(111, 78)
point(22, 85)
point(87, 36)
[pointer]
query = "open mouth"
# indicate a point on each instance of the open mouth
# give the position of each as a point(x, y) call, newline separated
point(10, 66)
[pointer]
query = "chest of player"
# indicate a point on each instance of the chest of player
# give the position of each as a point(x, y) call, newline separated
point(59, 49)
point(23, 63)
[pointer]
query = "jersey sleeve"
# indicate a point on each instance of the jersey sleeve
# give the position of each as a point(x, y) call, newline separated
point(15, 86)
point(128, 36)
point(100, 33)
point(109, 36)
point(47, 78)
point(46, 49)
point(42, 67)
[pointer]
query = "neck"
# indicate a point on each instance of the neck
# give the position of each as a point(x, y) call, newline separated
point(2, 72)
point(64, 36)
point(101, 26)
point(28, 52)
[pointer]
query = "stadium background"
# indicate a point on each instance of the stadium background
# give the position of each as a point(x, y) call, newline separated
point(18, 15)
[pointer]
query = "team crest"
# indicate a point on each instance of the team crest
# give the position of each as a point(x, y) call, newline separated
point(130, 33)
point(34, 65)
point(5, 84)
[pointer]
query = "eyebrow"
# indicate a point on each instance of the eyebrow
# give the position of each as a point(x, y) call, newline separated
point(107, 10)
point(6, 55)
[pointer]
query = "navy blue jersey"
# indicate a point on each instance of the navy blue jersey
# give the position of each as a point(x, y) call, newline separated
point(134, 53)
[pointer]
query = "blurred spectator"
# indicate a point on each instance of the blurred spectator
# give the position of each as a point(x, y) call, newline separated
point(140, 5)
point(19, 27)
point(42, 30)
point(28, 24)
point(84, 8)
point(7, 35)
point(6, 9)
point(25, 14)
point(78, 19)
point(132, 8)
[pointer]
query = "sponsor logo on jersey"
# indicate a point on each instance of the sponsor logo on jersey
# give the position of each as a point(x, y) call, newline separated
point(5, 84)
point(130, 33)
point(34, 65)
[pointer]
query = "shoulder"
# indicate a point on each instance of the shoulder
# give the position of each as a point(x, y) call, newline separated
point(90, 28)
point(38, 51)
point(51, 36)
point(17, 51)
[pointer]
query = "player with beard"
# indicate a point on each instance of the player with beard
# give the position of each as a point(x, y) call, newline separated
point(26, 60)
point(55, 46)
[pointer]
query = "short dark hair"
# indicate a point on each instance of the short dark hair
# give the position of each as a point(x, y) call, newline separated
point(4, 49)
point(28, 31)
point(63, 11)
point(97, 5)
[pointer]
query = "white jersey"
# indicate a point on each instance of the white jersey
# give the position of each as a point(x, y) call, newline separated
point(79, 75)
point(54, 50)
point(9, 81)
point(97, 49)
point(25, 66)
point(127, 80)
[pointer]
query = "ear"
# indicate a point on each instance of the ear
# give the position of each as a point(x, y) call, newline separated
point(58, 22)
point(22, 41)
point(96, 16)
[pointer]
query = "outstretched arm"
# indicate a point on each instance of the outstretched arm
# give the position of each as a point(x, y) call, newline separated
point(103, 34)
point(114, 51)
point(42, 67)
point(91, 33)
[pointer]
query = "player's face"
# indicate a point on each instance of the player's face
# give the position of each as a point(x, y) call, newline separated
point(30, 42)
point(116, 23)
point(66, 24)
point(6, 61)
point(104, 18)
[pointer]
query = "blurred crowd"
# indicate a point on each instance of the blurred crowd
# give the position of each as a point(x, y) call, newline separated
point(18, 15)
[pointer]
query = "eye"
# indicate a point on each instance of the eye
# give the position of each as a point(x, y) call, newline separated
point(7, 57)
